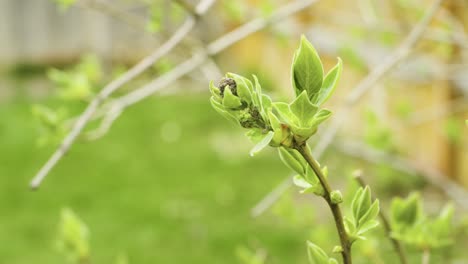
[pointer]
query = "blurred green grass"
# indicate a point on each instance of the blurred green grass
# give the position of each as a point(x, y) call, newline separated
point(142, 190)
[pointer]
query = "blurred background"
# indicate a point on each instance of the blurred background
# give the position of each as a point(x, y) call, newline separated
point(166, 179)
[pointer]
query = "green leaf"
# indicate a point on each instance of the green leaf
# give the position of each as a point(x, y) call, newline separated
point(320, 116)
point(291, 161)
point(221, 110)
point(244, 87)
point(262, 144)
point(371, 214)
point(367, 226)
point(231, 101)
point(285, 113)
point(73, 237)
point(299, 181)
point(349, 225)
point(406, 212)
point(215, 92)
point(355, 203)
point(364, 203)
point(303, 109)
point(316, 254)
point(329, 84)
point(307, 69)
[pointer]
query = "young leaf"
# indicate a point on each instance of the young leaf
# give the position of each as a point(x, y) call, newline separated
point(319, 117)
point(221, 110)
point(329, 84)
point(285, 113)
point(406, 212)
point(303, 109)
point(262, 144)
point(215, 92)
point(299, 181)
point(307, 69)
point(291, 161)
point(370, 214)
point(243, 85)
point(316, 254)
point(231, 101)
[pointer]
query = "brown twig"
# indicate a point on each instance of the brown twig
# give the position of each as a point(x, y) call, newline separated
point(334, 207)
point(136, 70)
point(118, 105)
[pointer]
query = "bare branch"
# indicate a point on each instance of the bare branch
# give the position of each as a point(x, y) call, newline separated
point(368, 83)
point(436, 178)
point(374, 76)
point(212, 49)
point(136, 70)
point(112, 11)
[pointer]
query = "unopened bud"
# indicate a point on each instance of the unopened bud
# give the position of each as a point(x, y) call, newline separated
point(229, 83)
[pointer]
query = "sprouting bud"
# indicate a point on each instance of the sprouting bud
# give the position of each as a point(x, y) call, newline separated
point(227, 82)
point(336, 197)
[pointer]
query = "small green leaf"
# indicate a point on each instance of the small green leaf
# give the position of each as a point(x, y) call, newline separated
point(231, 101)
point(370, 214)
point(307, 69)
point(367, 226)
point(215, 92)
point(262, 144)
point(355, 203)
point(303, 109)
point(221, 110)
point(244, 86)
point(285, 113)
point(291, 161)
point(299, 181)
point(349, 225)
point(320, 116)
point(406, 212)
point(329, 84)
point(337, 249)
point(332, 261)
point(363, 203)
point(316, 254)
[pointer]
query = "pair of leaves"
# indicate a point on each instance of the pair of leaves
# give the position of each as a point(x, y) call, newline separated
point(364, 212)
point(307, 74)
point(306, 178)
point(318, 255)
point(411, 225)
point(301, 116)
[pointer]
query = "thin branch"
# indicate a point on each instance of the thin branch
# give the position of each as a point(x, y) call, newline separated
point(436, 178)
point(334, 207)
point(369, 81)
point(374, 76)
point(112, 11)
point(136, 70)
point(212, 49)
point(386, 224)
point(435, 112)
